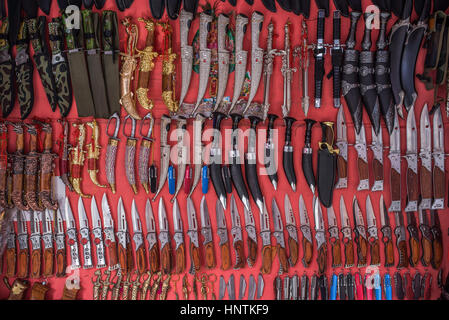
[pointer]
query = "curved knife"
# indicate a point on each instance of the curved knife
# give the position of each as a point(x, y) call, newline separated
point(182, 155)
point(251, 165)
point(307, 244)
point(223, 58)
point(270, 154)
point(185, 19)
point(278, 234)
point(290, 225)
point(165, 153)
point(216, 160)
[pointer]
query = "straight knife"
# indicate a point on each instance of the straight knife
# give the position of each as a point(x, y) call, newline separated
point(223, 58)
point(222, 232)
point(307, 244)
point(265, 234)
point(401, 244)
point(438, 158)
point(290, 225)
point(11, 249)
point(71, 233)
point(222, 288)
point(22, 238)
point(61, 257)
point(346, 232)
point(378, 161)
point(360, 234)
point(342, 145)
point(193, 235)
point(237, 238)
point(36, 248)
point(437, 239)
point(320, 236)
point(164, 238)
point(426, 237)
point(373, 237)
point(334, 238)
point(395, 161)
point(141, 259)
point(122, 237)
point(231, 287)
point(413, 238)
point(252, 286)
point(242, 287)
point(425, 154)
point(206, 231)
point(84, 233)
point(153, 248)
point(362, 159)
point(250, 227)
point(386, 233)
point(109, 236)
point(47, 239)
point(178, 236)
point(411, 156)
point(97, 233)
point(279, 236)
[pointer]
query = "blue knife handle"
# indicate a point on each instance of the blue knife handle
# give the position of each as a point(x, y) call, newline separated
point(171, 180)
point(388, 289)
point(334, 282)
point(205, 179)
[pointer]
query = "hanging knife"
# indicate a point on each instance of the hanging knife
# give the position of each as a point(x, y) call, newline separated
point(84, 232)
point(206, 231)
point(265, 234)
point(290, 225)
point(337, 58)
point(257, 55)
point(307, 156)
point(438, 158)
point(277, 286)
point(237, 238)
point(222, 232)
point(304, 287)
point(124, 247)
point(304, 64)
point(399, 286)
point(72, 238)
point(386, 234)
point(346, 232)
point(278, 234)
point(109, 237)
point(223, 58)
point(153, 248)
point(216, 160)
point(22, 238)
point(141, 259)
point(373, 237)
point(425, 153)
point(252, 286)
point(111, 151)
point(401, 244)
point(437, 239)
point(36, 248)
point(362, 159)
point(412, 163)
point(97, 233)
point(320, 236)
point(193, 235)
point(378, 162)
point(178, 235)
point(130, 153)
point(185, 20)
point(270, 153)
point(395, 161)
point(342, 145)
point(165, 153)
point(59, 238)
point(198, 125)
point(320, 52)
point(413, 238)
point(222, 288)
point(164, 238)
point(250, 227)
point(47, 239)
point(267, 70)
point(334, 238)
point(307, 244)
point(181, 154)
point(426, 237)
point(360, 234)
point(287, 154)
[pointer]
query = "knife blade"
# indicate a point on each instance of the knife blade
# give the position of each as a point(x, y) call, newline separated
point(231, 287)
point(279, 236)
point(290, 225)
point(346, 232)
point(22, 238)
point(36, 248)
point(192, 232)
point(411, 156)
point(122, 231)
point(237, 238)
point(71, 233)
point(97, 233)
point(250, 227)
point(320, 236)
point(206, 231)
point(438, 158)
point(360, 234)
point(342, 145)
point(362, 159)
point(307, 244)
point(373, 237)
point(426, 237)
point(47, 239)
point(252, 286)
point(61, 260)
point(84, 232)
point(265, 234)
point(413, 238)
point(153, 248)
point(242, 287)
point(334, 238)
point(395, 161)
point(179, 238)
point(164, 238)
point(425, 154)
point(109, 237)
point(222, 288)
point(386, 233)
point(141, 260)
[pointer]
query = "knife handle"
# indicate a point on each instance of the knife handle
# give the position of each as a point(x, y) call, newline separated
point(225, 256)
point(210, 255)
point(342, 167)
point(48, 262)
point(283, 260)
point(362, 250)
point(23, 262)
point(336, 253)
point(239, 255)
point(266, 260)
point(412, 185)
point(307, 246)
point(426, 183)
point(180, 259)
point(395, 185)
point(437, 253)
point(10, 262)
point(141, 260)
point(426, 251)
point(358, 287)
point(122, 258)
point(321, 259)
point(403, 256)
point(166, 259)
point(294, 251)
point(438, 183)
point(153, 257)
point(375, 252)
point(195, 257)
point(129, 257)
point(349, 253)
point(112, 250)
point(389, 252)
point(363, 169)
point(36, 263)
point(378, 170)
point(61, 263)
point(414, 251)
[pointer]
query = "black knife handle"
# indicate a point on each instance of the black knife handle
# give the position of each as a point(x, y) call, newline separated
point(308, 135)
point(320, 24)
point(336, 25)
point(407, 11)
point(271, 118)
point(350, 41)
point(217, 118)
point(288, 129)
point(235, 125)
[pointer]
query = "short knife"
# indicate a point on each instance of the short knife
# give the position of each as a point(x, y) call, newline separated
point(206, 231)
point(222, 232)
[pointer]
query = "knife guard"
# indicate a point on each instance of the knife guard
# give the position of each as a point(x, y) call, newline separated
point(375, 252)
point(321, 259)
point(414, 251)
point(283, 260)
point(48, 262)
point(267, 260)
point(349, 254)
point(210, 255)
point(61, 263)
point(195, 259)
point(153, 257)
point(403, 256)
point(121, 251)
point(10, 255)
point(362, 251)
point(427, 253)
point(112, 250)
point(166, 265)
point(412, 185)
point(307, 247)
point(141, 260)
point(35, 264)
point(294, 251)
point(389, 253)
point(225, 256)
point(239, 255)
point(336, 253)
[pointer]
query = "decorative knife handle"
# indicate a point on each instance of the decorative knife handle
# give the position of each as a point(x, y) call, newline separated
point(378, 170)
point(23, 262)
point(362, 166)
point(111, 156)
point(166, 259)
point(239, 255)
point(425, 173)
point(48, 262)
point(375, 252)
point(336, 252)
point(362, 250)
point(11, 261)
point(195, 258)
point(225, 256)
point(61, 263)
point(438, 185)
point(349, 252)
point(403, 255)
point(74, 253)
point(437, 246)
point(283, 259)
point(210, 255)
point(412, 182)
point(294, 251)
point(307, 247)
point(141, 260)
point(267, 260)
point(388, 246)
point(153, 257)
point(427, 251)
point(36, 258)
point(252, 252)
point(129, 257)
point(121, 251)
point(180, 258)
point(414, 245)
point(322, 259)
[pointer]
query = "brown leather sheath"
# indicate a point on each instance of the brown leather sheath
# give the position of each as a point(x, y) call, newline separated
point(38, 291)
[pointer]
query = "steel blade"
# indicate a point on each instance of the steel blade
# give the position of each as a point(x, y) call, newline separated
point(121, 214)
point(345, 223)
point(384, 218)
point(331, 218)
point(277, 220)
point(318, 215)
point(137, 225)
point(149, 217)
point(341, 126)
point(205, 219)
point(425, 131)
point(162, 215)
point(191, 215)
point(46, 221)
point(395, 136)
point(108, 222)
point(235, 217)
point(289, 215)
point(303, 215)
point(177, 222)
point(412, 145)
point(59, 222)
point(252, 286)
point(95, 215)
point(358, 216)
point(219, 214)
point(242, 287)
point(82, 216)
point(438, 132)
point(69, 219)
point(370, 217)
point(264, 219)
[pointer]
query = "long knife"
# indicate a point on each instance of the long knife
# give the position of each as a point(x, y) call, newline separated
point(334, 238)
point(97, 233)
point(198, 125)
point(360, 234)
point(307, 244)
point(109, 236)
point(425, 154)
point(23, 252)
point(139, 246)
point(412, 229)
point(165, 153)
point(342, 145)
point(319, 53)
point(185, 19)
point(237, 238)
point(412, 162)
point(153, 247)
point(290, 225)
point(223, 58)
point(8, 96)
point(222, 232)
point(395, 161)
point(193, 235)
point(206, 231)
point(268, 70)
point(278, 234)
point(426, 237)
point(178, 236)
point(36, 248)
point(346, 232)
point(401, 238)
point(386, 234)
point(373, 237)
point(250, 227)
point(84, 232)
point(164, 238)
point(71, 233)
point(47, 239)
point(362, 159)
point(265, 234)
point(439, 177)
point(59, 237)
point(320, 236)
point(124, 245)
point(437, 239)
point(337, 58)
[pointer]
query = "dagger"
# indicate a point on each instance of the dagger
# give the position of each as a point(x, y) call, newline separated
point(144, 151)
point(337, 59)
point(411, 156)
point(206, 231)
point(251, 165)
point(231, 287)
point(72, 235)
point(109, 237)
point(401, 244)
point(373, 237)
point(342, 145)
point(178, 236)
point(360, 234)
point(250, 227)
point(124, 246)
point(438, 158)
point(287, 155)
point(164, 238)
point(426, 237)
point(346, 232)
point(320, 236)
point(222, 233)
point(165, 153)
point(59, 238)
point(362, 159)
point(237, 238)
point(130, 153)
point(386, 233)
point(111, 151)
point(36, 249)
point(185, 20)
point(290, 225)
point(307, 155)
point(153, 248)
point(223, 58)
point(320, 52)
point(193, 235)
point(304, 65)
point(97, 233)
point(242, 287)
point(181, 155)
point(278, 234)
point(334, 238)
point(425, 154)
point(395, 161)
point(307, 244)
point(22, 238)
point(141, 260)
point(265, 235)
point(47, 239)
point(11, 250)
point(84, 233)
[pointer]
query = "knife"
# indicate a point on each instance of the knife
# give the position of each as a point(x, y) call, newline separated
point(373, 237)
point(11, 248)
point(47, 239)
point(250, 227)
point(320, 236)
point(334, 238)
point(141, 260)
point(413, 238)
point(360, 234)
point(206, 231)
point(304, 287)
point(395, 161)
point(177, 235)
point(164, 238)
point(401, 244)
point(222, 232)
point(437, 239)
point(252, 286)
point(426, 237)
point(307, 244)
point(237, 238)
point(124, 246)
point(412, 162)
point(378, 161)
point(425, 153)
point(22, 238)
point(193, 235)
point(153, 248)
point(265, 234)
point(279, 236)
point(242, 287)
point(346, 232)
point(342, 145)
point(71, 233)
point(231, 287)
point(109, 237)
point(290, 225)
point(36, 249)
point(386, 234)
point(61, 260)
point(277, 286)
point(84, 232)
point(96, 231)
point(438, 158)
point(362, 159)
point(222, 288)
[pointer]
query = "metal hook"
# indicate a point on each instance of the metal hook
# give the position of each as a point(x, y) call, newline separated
point(150, 130)
point(133, 127)
point(117, 125)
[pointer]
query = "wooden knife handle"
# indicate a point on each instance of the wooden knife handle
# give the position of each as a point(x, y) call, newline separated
point(426, 183)
point(294, 251)
point(122, 258)
point(48, 262)
point(10, 262)
point(349, 254)
point(362, 251)
point(266, 260)
point(414, 251)
point(395, 185)
point(321, 259)
point(426, 251)
point(437, 253)
point(336, 253)
point(307, 246)
point(283, 260)
point(225, 256)
point(210, 255)
point(375, 252)
point(389, 253)
point(378, 170)
point(412, 185)
point(252, 252)
point(141, 260)
point(239, 255)
point(61, 263)
point(195, 257)
point(129, 257)
point(363, 169)
point(153, 257)
point(36, 264)
point(438, 183)
point(342, 167)
point(166, 259)
point(112, 250)
point(403, 256)
point(180, 258)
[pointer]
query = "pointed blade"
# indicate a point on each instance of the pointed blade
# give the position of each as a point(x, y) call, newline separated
point(345, 223)
point(260, 286)
point(249, 218)
point(177, 222)
point(219, 214)
point(384, 218)
point(370, 217)
point(191, 215)
point(303, 216)
point(252, 286)
point(395, 136)
point(162, 215)
point(137, 225)
point(149, 218)
point(331, 218)
point(341, 126)
point(22, 227)
point(35, 223)
point(82, 216)
point(122, 225)
point(46, 221)
point(95, 215)
point(289, 215)
point(231, 287)
point(108, 222)
point(277, 221)
point(360, 138)
point(235, 217)
point(425, 131)
point(438, 132)
point(204, 210)
point(318, 215)
point(242, 287)
point(358, 216)
point(412, 144)
point(264, 219)
point(59, 222)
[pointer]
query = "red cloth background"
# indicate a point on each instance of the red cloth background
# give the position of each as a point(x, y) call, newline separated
point(327, 112)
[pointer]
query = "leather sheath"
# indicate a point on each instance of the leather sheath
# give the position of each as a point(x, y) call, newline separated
point(327, 167)
point(31, 170)
point(46, 170)
point(190, 6)
point(157, 8)
point(7, 79)
point(172, 8)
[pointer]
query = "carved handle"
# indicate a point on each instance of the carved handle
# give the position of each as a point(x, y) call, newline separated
point(349, 253)
point(362, 251)
point(336, 253)
point(414, 251)
point(294, 251)
point(10, 262)
point(166, 259)
point(141, 260)
point(389, 253)
point(378, 170)
point(122, 258)
point(307, 247)
point(112, 250)
point(426, 251)
point(438, 183)
point(180, 257)
point(412, 186)
point(48, 262)
point(342, 167)
point(153, 257)
point(61, 263)
point(403, 256)
point(283, 260)
point(437, 253)
point(239, 255)
point(225, 256)
point(266, 260)
point(35, 264)
point(395, 186)
point(375, 253)
point(322, 259)
point(129, 257)
point(195, 257)
point(210, 255)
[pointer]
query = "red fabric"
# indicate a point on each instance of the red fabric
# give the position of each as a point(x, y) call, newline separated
point(327, 112)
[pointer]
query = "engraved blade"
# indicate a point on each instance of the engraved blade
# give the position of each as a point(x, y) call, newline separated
point(137, 225)
point(303, 216)
point(358, 216)
point(341, 126)
point(345, 223)
point(177, 222)
point(235, 217)
point(162, 215)
point(231, 287)
point(204, 211)
point(82, 216)
point(277, 221)
point(108, 222)
point(35, 223)
point(384, 218)
point(149, 217)
point(289, 215)
point(242, 287)
point(219, 213)
point(46, 222)
point(95, 215)
point(425, 131)
point(191, 215)
point(122, 225)
point(264, 219)
point(252, 286)
point(59, 223)
point(412, 145)
point(370, 217)
point(438, 132)
point(260, 286)
point(70, 220)
point(331, 218)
